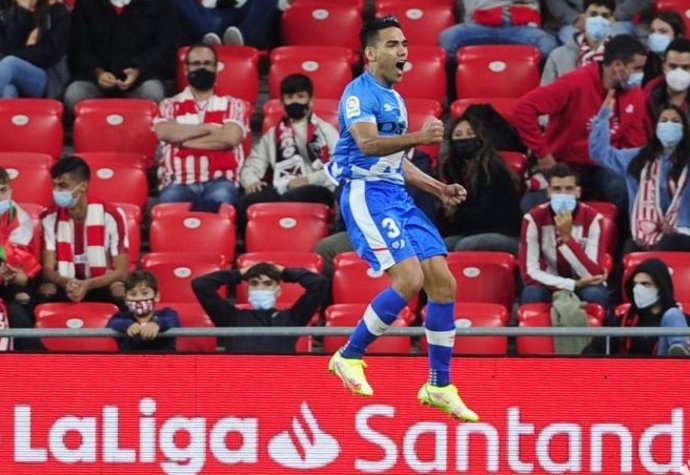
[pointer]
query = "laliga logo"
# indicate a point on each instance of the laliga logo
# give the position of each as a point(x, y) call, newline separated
point(319, 450)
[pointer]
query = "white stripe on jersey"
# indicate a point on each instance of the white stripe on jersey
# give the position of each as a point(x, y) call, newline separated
point(364, 221)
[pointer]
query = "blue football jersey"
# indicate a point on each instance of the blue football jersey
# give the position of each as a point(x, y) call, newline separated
point(367, 100)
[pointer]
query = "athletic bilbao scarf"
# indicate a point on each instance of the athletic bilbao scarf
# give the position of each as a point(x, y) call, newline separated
point(588, 54)
point(287, 144)
point(648, 222)
point(94, 247)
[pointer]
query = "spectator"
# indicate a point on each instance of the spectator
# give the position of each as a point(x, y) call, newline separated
point(490, 22)
point(655, 177)
point(571, 15)
point(572, 102)
point(665, 27)
point(561, 244)
point(489, 218)
point(142, 322)
point(587, 45)
point(18, 265)
point(295, 151)
point(202, 135)
point(650, 291)
point(121, 48)
point(673, 86)
point(263, 280)
point(34, 35)
point(238, 21)
point(85, 243)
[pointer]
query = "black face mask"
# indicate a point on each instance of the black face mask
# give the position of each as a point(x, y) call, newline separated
point(465, 147)
point(201, 79)
point(296, 110)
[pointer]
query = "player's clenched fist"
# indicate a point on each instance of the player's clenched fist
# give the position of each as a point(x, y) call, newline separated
point(432, 131)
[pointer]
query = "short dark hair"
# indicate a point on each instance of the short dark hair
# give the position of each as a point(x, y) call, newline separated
point(74, 165)
point(298, 82)
point(679, 45)
point(610, 4)
point(562, 170)
point(4, 176)
point(263, 268)
point(201, 46)
point(623, 48)
point(141, 277)
point(370, 31)
point(674, 19)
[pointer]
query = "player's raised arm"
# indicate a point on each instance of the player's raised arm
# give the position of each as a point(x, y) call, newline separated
point(369, 141)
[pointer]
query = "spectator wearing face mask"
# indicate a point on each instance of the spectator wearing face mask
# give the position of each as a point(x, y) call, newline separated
point(489, 218)
point(673, 86)
point(571, 103)
point(652, 304)
point(562, 244)
point(264, 287)
point(656, 179)
point(201, 134)
point(588, 42)
point(288, 162)
point(666, 26)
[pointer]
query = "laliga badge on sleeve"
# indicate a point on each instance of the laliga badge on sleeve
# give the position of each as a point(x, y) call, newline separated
point(352, 108)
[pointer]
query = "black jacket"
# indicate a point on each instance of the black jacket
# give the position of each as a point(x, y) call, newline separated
point(144, 36)
point(225, 314)
point(166, 318)
point(53, 35)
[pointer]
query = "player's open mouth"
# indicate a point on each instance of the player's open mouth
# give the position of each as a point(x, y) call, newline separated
point(400, 65)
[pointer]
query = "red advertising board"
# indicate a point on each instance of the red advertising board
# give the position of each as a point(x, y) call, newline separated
point(222, 414)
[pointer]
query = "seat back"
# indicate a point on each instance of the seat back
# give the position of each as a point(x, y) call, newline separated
point(175, 279)
point(31, 125)
point(192, 315)
point(422, 21)
point(484, 277)
point(321, 23)
point(122, 184)
point(286, 226)
point(76, 315)
point(30, 176)
point(424, 74)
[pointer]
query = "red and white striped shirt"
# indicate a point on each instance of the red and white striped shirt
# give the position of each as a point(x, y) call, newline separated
point(188, 166)
point(546, 260)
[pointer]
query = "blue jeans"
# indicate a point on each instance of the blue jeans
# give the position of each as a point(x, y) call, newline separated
point(463, 34)
point(19, 77)
point(672, 318)
point(254, 19)
point(566, 34)
point(484, 242)
point(591, 294)
point(219, 190)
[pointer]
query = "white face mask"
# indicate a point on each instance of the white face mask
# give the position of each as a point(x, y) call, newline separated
point(262, 299)
point(644, 296)
point(678, 79)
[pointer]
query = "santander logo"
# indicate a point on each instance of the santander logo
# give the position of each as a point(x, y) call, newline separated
point(316, 448)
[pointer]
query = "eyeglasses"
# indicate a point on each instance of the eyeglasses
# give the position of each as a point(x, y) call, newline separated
point(201, 64)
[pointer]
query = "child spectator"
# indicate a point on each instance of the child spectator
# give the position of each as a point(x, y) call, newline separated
point(143, 322)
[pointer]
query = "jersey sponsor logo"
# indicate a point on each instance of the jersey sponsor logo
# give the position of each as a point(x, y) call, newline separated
point(352, 107)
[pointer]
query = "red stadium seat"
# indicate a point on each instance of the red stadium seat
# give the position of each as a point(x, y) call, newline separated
point(132, 219)
point(425, 74)
point(175, 279)
point(286, 226)
point(476, 315)
point(496, 71)
point(517, 162)
point(358, 4)
point(192, 315)
point(329, 68)
point(680, 6)
point(31, 125)
point(76, 315)
point(539, 315)
point(321, 23)
point(502, 105)
point(422, 21)
point(290, 292)
point(131, 211)
point(120, 184)
point(605, 208)
point(609, 235)
point(237, 74)
point(177, 232)
point(30, 176)
point(181, 258)
point(678, 265)
point(326, 109)
point(484, 276)
point(165, 209)
point(34, 211)
point(348, 315)
point(115, 159)
point(122, 125)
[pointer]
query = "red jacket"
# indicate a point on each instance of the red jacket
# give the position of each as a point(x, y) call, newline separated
point(571, 103)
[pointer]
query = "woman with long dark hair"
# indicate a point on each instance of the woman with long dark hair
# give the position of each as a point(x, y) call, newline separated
point(490, 217)
point(666, 26)
point(34, 35)
point(656, 177)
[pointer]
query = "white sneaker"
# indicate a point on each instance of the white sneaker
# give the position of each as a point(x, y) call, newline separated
point(678, 350)
point(211, 39)
point(233, 36)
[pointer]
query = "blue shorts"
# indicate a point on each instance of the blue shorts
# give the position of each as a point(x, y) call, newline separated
point(384, 225)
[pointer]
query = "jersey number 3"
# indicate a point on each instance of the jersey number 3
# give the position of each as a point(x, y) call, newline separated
point(393, 231)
